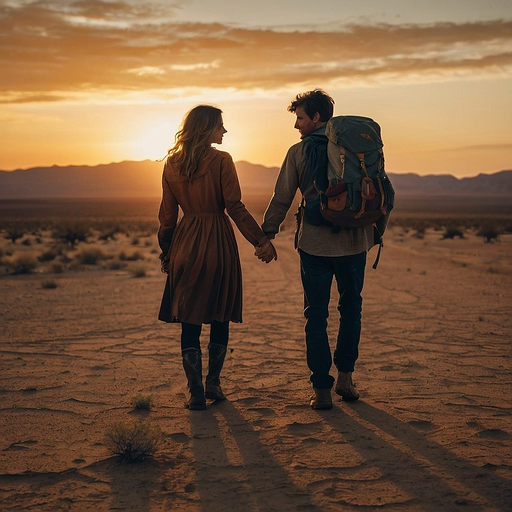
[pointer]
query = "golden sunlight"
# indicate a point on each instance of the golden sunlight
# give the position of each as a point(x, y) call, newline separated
point(152, 141)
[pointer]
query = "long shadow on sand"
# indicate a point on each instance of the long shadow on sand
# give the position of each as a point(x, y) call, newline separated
point(234, 470)
point(106, 483)
point(428, 472)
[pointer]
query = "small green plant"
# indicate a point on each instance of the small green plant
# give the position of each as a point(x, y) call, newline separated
point(143, 402)
point(133, 442)
point(49, 284)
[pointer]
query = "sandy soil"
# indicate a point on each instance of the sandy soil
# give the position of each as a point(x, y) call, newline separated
point(432, 430)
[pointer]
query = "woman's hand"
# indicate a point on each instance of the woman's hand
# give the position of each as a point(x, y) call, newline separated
point(164, 264)
point(266, 252)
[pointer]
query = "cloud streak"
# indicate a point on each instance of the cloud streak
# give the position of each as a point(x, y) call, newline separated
point(48, 53)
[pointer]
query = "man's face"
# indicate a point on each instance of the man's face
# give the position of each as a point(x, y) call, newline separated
point(304, 123)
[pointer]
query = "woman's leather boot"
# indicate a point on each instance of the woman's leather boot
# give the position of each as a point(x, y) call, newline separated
point(193, 370)
point(217, 355)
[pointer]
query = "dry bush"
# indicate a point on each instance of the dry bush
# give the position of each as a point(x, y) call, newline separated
point(143, 402)
point(49, 255)
point(72, 232)
point(489, 234)
point(91, 256)
point(57, 267)
point(49, 284)
point(134, 256)
point(452, 233)
point(14, 233)
point(116, 265)
point(133, 442)
point(22, 263)
point(108, 232)
point(139, 271)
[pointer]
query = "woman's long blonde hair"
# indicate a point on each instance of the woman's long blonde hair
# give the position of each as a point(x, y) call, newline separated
point(192, 142)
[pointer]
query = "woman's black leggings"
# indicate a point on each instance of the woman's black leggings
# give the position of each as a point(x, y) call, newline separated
point(190, 334)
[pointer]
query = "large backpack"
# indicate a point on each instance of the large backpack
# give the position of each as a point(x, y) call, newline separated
point(347, 169)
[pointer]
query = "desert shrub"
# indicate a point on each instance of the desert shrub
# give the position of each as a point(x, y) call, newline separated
point(452, 233)
point(134, 256)
point(109, 233)
point(91, 256)
point(49, 284)
point(134, 442)
point(72, 233)
point(48, 255)
point(57, 267)
point(64, 258)
point(116, 265)
point(420, 233)
point(135, 241)
point(23, 263)
point(143, 402)
point(139, 271)
point(14, 233)
point(489, 234)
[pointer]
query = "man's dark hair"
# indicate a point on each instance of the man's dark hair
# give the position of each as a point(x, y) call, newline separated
point(312, 102)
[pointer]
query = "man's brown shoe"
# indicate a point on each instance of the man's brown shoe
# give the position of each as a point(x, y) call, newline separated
point(345, 387)
point(321, 399)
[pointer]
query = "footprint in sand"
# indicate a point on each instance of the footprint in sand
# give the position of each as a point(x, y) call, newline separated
point(493, 433)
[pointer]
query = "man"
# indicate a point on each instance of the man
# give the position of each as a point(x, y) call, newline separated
point(323, 255)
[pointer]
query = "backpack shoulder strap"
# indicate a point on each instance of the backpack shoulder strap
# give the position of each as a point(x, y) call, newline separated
point(315, 148)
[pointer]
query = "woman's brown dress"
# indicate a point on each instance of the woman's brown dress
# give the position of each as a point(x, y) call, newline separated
point(205, 278)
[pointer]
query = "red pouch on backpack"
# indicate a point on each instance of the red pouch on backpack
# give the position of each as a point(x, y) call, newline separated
point(337, 197)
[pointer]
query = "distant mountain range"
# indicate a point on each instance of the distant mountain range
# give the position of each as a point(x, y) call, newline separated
point(143, 179)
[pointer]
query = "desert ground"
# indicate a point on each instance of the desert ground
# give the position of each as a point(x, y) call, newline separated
point(80, 343)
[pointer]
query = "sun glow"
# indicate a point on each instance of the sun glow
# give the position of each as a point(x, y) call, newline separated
point(152, 141)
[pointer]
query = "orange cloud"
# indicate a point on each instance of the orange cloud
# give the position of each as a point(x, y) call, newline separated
point(48, 51)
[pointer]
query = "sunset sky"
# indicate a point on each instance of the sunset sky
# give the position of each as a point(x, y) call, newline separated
point(92, 81)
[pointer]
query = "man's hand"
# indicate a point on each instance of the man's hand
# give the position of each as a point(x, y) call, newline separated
point(266, 252)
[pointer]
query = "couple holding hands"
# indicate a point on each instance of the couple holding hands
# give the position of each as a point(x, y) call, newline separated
point(200, 253)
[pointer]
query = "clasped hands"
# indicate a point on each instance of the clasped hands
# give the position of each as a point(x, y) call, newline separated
point(266, 252)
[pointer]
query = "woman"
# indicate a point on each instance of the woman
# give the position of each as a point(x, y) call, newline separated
point(199, 252)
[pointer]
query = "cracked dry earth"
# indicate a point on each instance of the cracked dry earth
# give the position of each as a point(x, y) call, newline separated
point(432, 430)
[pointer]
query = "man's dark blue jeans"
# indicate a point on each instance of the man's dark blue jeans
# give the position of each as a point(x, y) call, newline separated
point(317, 273)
